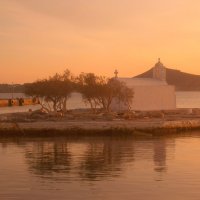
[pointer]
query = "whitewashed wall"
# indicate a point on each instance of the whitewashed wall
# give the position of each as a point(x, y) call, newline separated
point(151, 98)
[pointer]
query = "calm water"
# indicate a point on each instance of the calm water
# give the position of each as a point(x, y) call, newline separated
point(184, 100)
point(101, 168)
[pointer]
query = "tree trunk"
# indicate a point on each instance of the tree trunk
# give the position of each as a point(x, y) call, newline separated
point(64, 108)
point(54, 106)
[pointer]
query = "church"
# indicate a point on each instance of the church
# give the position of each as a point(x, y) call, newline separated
point(150, 94)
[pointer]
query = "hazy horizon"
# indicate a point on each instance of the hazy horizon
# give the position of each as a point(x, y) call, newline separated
point(40, 38)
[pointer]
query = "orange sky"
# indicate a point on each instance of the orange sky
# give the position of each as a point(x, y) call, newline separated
point(41, 37)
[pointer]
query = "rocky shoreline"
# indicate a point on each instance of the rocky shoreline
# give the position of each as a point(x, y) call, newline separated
point(83, 122)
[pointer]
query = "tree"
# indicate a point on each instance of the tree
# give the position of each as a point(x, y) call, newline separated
point(53, 92)
point(114, 90)
point(125, 95)
point(87, 85)
point(101, 92)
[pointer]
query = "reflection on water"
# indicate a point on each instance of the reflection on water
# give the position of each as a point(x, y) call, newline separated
point(48, 158)
point(100, 168)
point(160, 155)
point(92, 160)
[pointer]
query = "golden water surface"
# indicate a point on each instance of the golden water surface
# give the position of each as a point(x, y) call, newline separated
point(101, 168)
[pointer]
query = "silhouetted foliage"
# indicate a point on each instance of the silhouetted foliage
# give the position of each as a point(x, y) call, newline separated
point(52, 92)
point(99, 91)
point(88, 86)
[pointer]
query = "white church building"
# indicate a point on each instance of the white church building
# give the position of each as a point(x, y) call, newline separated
point(150, 93)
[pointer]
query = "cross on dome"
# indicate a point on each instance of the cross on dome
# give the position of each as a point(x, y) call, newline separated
point(116, 73)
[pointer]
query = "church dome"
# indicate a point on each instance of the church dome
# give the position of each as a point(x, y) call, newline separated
point(159, 64)
point(159, 71)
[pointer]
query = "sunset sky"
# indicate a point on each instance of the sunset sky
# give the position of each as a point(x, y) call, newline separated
point(41, 37)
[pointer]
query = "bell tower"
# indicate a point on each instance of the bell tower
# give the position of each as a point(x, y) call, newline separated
point(159, 71)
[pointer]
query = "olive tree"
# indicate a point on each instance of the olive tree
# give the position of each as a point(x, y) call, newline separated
point(98, 91)
point(87, 85)
point(53, 92)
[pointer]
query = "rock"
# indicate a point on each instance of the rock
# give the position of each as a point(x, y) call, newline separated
point(38, 116)
point(40, 112)
point(156, 114)
point(109, 116)
point(129, 115)
point(142, 114)
point(3, 118)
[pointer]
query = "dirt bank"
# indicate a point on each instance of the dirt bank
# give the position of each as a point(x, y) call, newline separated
point(101, 127)
point(85, 123)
